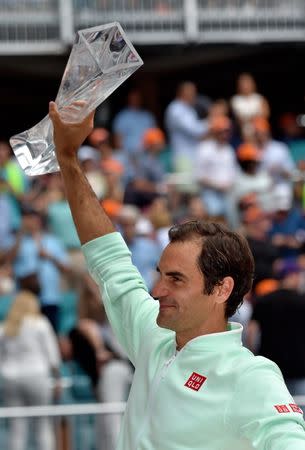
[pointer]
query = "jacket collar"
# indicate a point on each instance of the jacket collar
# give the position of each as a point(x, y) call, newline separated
point(223, 341)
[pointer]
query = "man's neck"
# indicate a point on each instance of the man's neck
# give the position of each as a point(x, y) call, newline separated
point(182, 338)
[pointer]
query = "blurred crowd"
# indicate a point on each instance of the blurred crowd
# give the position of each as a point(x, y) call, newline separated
point(208, 160)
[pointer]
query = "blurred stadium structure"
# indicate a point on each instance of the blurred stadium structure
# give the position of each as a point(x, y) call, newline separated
point(48, 26)
point(76, 426)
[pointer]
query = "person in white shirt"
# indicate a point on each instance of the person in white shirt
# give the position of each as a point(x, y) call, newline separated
point(247, 103)
point(216, 167)
point(29, 355)
point(184, 127)
point(275, 156)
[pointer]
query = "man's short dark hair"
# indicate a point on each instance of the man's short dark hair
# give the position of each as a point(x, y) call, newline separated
point(223, 253)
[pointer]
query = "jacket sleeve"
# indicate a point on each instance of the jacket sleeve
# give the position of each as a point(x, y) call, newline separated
point(263, 412)
point(131, 311)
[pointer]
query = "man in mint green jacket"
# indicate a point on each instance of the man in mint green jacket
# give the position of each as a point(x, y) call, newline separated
point(195, 386)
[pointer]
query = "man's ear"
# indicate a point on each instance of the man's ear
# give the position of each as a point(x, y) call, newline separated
point(223, 291)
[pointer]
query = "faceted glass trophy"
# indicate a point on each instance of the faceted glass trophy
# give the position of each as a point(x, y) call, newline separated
point(101, 59)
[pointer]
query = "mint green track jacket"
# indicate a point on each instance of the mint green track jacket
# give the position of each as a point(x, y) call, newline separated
point(213, 394)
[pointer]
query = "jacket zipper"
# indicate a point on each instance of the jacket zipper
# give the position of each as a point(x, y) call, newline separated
point(160, 376)
point(166, 366)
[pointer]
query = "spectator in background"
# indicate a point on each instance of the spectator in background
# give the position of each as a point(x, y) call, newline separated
point(47, 190)
point(293, 136)
point(216, 167)
point(7, 282)
point(100, 139)
point(185, 129)
point(161, 219)
point(219, 107)
point(243, 315)
point(202, 106)
point(149, 163)
point(288, 223)
point(5, 222)
point(247, 103)
point(60, 223)
point(149, 172)
point(29, 357)
point(145, 251)
point(13, 184)
point(43, 190)
point(292, 133)
point(48, 198)
point(279, 319)
point(257, 225)
point(90, 161)
point(195, 210)
point(113, 208)
point(113, 172)
point(130, 124)
point(58, 215)
point(37, 253)
point(275, 155)
point(250, 179)
point(266, 286)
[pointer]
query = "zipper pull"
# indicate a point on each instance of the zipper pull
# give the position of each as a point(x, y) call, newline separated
point(166, 365)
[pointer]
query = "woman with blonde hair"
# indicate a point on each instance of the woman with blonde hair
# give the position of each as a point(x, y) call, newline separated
point(29, 356)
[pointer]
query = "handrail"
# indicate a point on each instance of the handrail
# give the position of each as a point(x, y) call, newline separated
point(62, 410)
point(79, 409)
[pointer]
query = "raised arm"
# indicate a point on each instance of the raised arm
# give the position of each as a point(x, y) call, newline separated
point(130, 310)
point(90, 219)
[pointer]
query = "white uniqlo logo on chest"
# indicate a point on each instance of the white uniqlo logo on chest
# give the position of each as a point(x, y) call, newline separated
point(195, 381)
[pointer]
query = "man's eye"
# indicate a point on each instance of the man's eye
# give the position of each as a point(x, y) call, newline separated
point(176, 279)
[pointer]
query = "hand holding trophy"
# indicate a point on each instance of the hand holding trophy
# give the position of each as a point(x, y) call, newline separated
point(101, 59)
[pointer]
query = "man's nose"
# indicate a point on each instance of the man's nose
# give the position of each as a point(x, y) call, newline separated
point(159, 290)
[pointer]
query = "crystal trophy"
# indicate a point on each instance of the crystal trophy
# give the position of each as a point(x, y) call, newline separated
point(101, 59)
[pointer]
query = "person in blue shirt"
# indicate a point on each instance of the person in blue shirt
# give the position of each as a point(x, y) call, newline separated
point(5, 222)
point(288, 224)
point(130, 124)
point(35, 252)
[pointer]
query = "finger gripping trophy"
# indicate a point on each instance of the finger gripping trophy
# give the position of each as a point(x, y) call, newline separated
point(101, 59)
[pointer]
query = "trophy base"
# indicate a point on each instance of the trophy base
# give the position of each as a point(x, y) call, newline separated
point(34, 149)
